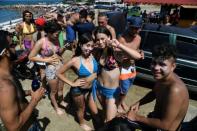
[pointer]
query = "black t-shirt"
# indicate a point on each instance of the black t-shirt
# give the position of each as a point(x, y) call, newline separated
point(82, 28)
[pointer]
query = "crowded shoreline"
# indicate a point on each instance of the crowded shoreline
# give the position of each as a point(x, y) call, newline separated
point(38, 10)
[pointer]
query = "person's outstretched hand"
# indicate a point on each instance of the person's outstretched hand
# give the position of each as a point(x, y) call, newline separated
point(135, 107)
point(131, 115)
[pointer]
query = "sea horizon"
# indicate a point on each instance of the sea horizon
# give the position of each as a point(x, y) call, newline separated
point(8, 15)
point(28, 2)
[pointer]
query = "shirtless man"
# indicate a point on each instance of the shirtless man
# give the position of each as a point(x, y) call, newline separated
point(15, 111)
point(170, 93)
point(131, 39)
point(103, 21)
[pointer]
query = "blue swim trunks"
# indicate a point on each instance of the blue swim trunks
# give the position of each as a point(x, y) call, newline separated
point(127, 77)
point(125, 85)
point(108, 92)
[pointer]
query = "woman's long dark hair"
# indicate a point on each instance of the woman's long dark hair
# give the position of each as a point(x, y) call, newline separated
point(39, 29)
point(102, 29)
point(25, 12)
point(52, 26)
point(83, 39)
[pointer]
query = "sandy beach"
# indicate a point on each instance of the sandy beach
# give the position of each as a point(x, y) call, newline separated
point(50, 121)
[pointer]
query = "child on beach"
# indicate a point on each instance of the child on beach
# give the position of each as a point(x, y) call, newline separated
point(86, 68)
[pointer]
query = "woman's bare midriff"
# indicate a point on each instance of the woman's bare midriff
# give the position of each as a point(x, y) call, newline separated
point(109, 78)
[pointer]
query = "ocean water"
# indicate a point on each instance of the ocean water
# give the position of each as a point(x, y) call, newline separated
point(14, 2)
point(8, 15)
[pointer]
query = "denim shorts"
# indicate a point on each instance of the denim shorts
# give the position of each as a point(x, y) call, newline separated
point(51, 71)
point(76, 91)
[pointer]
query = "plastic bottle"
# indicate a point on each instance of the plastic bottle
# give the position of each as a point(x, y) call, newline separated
point(35, 84)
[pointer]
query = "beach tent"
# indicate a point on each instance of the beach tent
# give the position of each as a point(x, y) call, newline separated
point(173, 2)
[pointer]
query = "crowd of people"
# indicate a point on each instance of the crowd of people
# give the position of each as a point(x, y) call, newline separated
point(105, 67)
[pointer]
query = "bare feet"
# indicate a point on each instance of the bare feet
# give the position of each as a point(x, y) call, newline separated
point(59, 111)
point(64, 104)
point(124, 106)
point(86, 127)
point(120, 109)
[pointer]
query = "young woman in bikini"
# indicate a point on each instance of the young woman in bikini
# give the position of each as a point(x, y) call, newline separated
point(51, 55)
point(108, 78)
point(27, 29)
point(86, 68)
